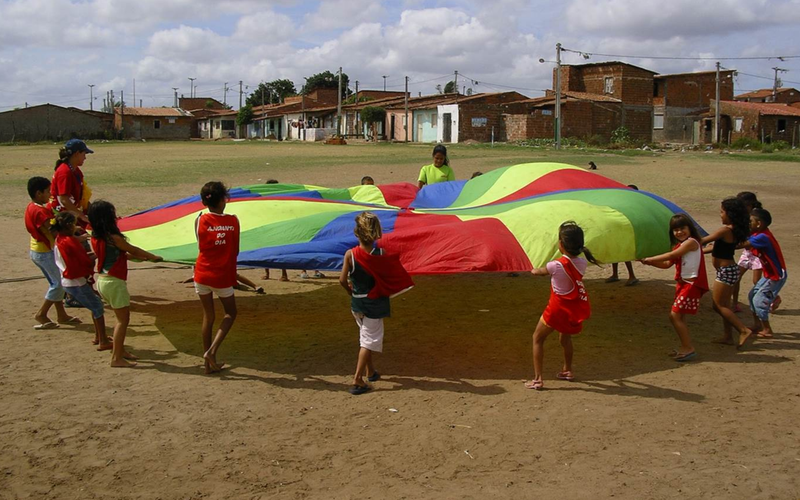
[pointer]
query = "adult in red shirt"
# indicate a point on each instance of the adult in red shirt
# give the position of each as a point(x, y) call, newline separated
point(68, 189)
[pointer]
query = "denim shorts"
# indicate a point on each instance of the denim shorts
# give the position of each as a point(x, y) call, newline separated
point(763, 295)
point(46, 262)
point(87, 298)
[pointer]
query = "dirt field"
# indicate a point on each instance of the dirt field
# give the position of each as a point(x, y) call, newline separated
point(450, 418)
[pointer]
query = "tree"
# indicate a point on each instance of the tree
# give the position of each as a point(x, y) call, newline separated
point(327, 80)
point(272, 92)
point(372, 115)
point(450, 87)
point(245, 115)
point(361, 98)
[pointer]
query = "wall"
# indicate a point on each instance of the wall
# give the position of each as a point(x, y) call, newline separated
point(477, 120)
point(454, 117)
point(631, 85)
point(425, 125)
point(399, 132)
point(53, 123)
point(142, 127)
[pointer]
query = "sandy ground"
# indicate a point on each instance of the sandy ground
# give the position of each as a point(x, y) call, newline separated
point(449, 419)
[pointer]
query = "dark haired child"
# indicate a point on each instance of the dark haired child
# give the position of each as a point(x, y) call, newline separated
point(748, 261)
point(477, 173)
point(112, 250)
point(764, 246)
point(734, 231)
point(215, 269)
point(367, 181)
point(37, 221)
point(568, 306)
point(439, 170)
point(76, 266)
point(370, 278)
point(690, 277)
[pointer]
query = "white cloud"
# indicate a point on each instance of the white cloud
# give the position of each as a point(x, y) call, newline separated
point(50, 23)
point(335, 14)
point(267, 26)
point(189, 44)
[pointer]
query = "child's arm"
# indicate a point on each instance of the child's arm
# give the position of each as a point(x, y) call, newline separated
point(136, 252)
point(664, 261)
point(345, 273)
point(540, 271)
point(46, 231)
point(716, 235)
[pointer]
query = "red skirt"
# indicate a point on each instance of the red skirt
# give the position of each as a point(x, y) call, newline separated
point(687, 298)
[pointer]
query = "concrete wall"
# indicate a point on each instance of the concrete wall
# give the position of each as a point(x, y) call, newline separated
point(426, 127)
point(453, 109)
point(399, 132)
point(144, 127)
point(52, 123)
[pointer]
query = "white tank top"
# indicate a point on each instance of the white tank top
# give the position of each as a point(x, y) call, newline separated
point(690, 263)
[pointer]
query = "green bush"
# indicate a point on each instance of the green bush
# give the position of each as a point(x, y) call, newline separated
point(621, 136)
point(597, 140)
point(768, 148)
point(781, 145)
point(746, 143)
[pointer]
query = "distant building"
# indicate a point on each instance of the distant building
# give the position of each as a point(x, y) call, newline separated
point(784, 95)
point(766, 122)
point(153, 123)
point(49, 122)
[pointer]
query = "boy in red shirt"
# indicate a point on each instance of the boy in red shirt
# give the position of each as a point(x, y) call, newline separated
point(38, 217)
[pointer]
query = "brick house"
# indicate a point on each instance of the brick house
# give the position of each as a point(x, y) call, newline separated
point(53, 123)
point(193, 103)
point(153, 123)
point(784, 95)
point(766, 122)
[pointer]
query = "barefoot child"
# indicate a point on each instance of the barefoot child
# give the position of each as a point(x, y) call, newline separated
point(690, 275)
point(76, 266)
point(568, 306)
point(37, 221)
point(632, 279)
point(370, 278)
point(735, 230)
point(764, 246)
point(215, 269)
point(112, 251)
point(747, 261)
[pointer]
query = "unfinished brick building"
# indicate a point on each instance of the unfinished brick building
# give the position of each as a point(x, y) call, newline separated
point(784, 95)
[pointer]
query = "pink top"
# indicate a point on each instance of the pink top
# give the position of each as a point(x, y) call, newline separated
point(562, 283)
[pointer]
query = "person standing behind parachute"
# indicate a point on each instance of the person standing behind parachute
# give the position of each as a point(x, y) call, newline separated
point(69, 191)
point(439, 170)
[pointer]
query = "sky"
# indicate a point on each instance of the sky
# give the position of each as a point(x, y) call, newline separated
point(52, 50)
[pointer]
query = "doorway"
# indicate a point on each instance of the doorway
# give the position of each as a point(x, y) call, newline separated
point(447, 128)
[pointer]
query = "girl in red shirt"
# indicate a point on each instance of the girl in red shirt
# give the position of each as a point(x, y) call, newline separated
point(215, 269)
point(69, 190)
point(112, 251)
point(568, 306)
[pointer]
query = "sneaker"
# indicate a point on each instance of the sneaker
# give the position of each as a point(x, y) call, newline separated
point(304, 275)
point(318, 274)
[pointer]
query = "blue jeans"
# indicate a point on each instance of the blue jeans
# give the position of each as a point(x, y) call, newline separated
point(46, 262)
point(763, 295)
point(87, 298)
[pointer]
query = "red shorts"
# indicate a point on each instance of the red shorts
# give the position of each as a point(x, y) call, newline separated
point(562, 322)
point(687, 298)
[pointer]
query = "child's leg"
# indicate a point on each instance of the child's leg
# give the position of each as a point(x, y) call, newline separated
point(119, 355)
point(229, 305)
point(722, 300)
point(266, 274)
point(364, 362)
point(737, 286)
point(566, 344)
point(539, 336)
point(100, 334)
point(284, 275)
point(631, 275)
point(244, 279)
point(679, 324)
point(614, 273)
point(767, 290)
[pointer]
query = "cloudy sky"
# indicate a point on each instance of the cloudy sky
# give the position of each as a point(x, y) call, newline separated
point(51, 50)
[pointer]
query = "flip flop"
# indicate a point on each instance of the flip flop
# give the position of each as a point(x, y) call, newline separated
point(685, 357)
point(611, 279)
point(46, 326)
point(568, 376)
point(359, 389)
point(260, 290)
point(632, 282)
point(536, 385)
point(763, 336)
point(374, 377)
point(73, 320)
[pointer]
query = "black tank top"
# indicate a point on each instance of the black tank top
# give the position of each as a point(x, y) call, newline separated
point(723, 250)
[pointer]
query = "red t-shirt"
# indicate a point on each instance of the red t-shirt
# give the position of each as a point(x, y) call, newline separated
point(35, 216)
point(77, 261)
point(218, 240)
point(566, 313)
point(67, 182)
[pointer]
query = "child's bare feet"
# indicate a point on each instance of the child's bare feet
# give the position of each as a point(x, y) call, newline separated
point(106, 346)
point(127, 355)
point(744, 336)
point(121, 363)
point(724, 340)
point(536, 385)
point(211, 363)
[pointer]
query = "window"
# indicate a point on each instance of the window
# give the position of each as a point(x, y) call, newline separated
point(658, 121)
point(216, 125)
point(228, 125)
point(171, 121)
point(156, 124)
point(737, 124)
point(608, 88)
point(782, 125)
point(434, 119)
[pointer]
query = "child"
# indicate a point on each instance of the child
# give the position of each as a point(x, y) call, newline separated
point(37, 221)
point(690, 277)
point(747, 260)
point(367, 181)
point(568, 306)
point(215, 269)
point(735, 229)
point(764, 246)
point(439, 170)
point(632, 279)
point(370, 278)
point(76, 265)
point(112, 251)
point(284, 275)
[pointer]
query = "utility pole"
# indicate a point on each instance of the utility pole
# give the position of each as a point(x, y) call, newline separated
point(191, 86)
point(303, 108)
point(558, 97)
point(384, 82)
point(91, 108)
point(134, 92)
point(240, 94)
point(776, 82)
point(356, 111)
point(263, 114)
point(225, 94)
point(716, 105)
point(339, 106)
point(405, 125)
point(175, 89)
point(121, 114)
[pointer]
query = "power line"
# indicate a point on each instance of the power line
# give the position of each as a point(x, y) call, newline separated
point(586, 55)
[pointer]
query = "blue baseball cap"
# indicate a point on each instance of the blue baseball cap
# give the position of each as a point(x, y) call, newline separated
point(77, 146)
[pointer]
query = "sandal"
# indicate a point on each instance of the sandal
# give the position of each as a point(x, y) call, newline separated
point(568, 376)
point(374, 377)
point(685, 357)
point(359, 389)
point(72, 320)
point(536, 385)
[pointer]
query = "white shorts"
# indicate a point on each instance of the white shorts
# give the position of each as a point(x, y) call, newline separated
point(370, 332)
point(749, 261)
point(205, 290)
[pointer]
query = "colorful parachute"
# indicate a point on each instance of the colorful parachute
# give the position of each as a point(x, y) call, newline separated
point(504, 220)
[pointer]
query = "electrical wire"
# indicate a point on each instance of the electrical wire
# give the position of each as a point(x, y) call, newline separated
point(586, 54)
